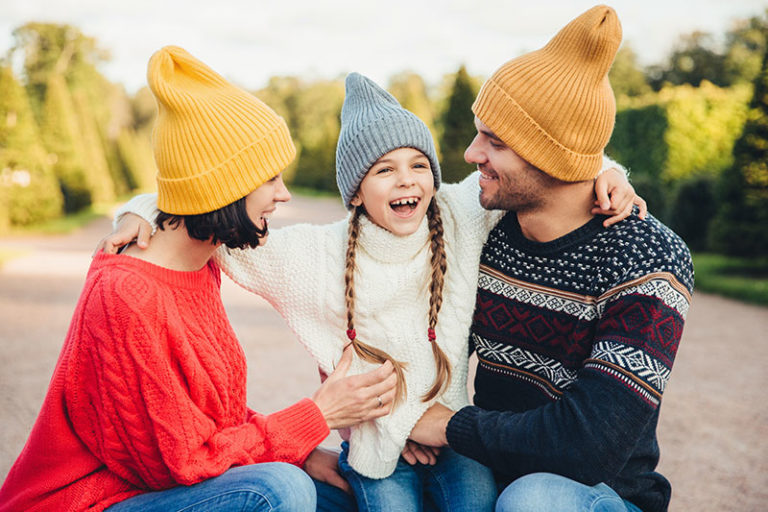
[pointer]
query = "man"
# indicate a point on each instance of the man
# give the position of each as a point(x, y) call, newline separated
point(576, 325)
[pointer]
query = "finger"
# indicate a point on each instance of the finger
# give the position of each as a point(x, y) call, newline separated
point(342, 366)
point(421, 455)
point(373, 377)
point(623, 199)
point(145, 232)
point(619, 216)
point(335, 479)
point(99, 247)
point(601, 192)
point(381, 389)
point(377, 412)
point(408, 455)
point(640, 202)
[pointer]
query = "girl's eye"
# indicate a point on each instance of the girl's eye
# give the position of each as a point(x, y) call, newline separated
point(383, 170)
point(496, 145)
point(421, 165)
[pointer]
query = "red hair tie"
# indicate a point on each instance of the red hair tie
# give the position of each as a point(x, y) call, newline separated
point(431, 334)
point(351, 334)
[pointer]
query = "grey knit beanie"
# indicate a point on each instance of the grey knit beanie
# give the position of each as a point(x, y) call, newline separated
point(372, 124)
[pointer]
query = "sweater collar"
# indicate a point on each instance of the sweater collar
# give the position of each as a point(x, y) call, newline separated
point(189, 280)
point(382, 245)
point(511, 227)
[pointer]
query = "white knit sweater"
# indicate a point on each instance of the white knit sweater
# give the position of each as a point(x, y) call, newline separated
point(300, 271)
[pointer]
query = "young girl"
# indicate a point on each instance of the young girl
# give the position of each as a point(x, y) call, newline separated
point(397, 279)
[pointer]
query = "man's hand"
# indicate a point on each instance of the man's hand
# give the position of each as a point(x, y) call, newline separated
point(430, 429)
point(415, 453)
point(322, 465)
point(130, 227)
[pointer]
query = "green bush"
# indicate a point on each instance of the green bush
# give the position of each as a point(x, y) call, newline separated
point(692, 209)
point(741, 225)
point(681, 131)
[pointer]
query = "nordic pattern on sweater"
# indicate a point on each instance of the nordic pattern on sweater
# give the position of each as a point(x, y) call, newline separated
point(588, 326)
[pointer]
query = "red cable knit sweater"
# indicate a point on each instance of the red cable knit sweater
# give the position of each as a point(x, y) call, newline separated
point(148, 393)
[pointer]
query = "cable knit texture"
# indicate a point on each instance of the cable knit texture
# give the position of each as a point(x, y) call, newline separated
point(148, 394)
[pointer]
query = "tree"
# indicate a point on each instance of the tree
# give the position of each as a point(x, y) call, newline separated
point(29, 191)
point(458, 128)
point(62, 140)
point(51, 49)
point(741, 225)
point(693, 60)
point(627, 78)
point(745, 45)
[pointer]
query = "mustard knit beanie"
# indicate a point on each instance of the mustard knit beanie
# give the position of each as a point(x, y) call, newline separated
point(214, 143)
point(555, 107)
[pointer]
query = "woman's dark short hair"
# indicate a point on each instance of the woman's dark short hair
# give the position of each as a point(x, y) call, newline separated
point(229, 225)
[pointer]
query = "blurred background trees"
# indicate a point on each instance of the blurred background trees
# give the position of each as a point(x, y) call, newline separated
point(692, 130)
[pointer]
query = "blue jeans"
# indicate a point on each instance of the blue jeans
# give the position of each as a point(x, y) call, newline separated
point(270, 486)
point(546, 492)
point(454, 483)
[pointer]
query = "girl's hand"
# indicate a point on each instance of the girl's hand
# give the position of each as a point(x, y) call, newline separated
point(414, 453)
point(322, 465)
point(616, 198)
point(130, 227)
point(348, 400)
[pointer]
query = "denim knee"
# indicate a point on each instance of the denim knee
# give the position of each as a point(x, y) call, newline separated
point(545, 492)
point(285, 486)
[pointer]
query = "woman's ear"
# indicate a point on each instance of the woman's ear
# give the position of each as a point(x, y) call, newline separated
point(356, 201)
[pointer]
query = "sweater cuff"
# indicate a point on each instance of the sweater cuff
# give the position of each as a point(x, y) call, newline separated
point(460, 431)
point(143, 205)
point(304, 424)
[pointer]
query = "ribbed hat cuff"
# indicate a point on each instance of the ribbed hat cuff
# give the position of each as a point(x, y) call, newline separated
point(511, 123)
point(232, 179)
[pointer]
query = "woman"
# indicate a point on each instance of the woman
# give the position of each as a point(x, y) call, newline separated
point(146, 409)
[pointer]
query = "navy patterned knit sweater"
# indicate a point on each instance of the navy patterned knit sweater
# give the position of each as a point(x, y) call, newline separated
point(575, 340)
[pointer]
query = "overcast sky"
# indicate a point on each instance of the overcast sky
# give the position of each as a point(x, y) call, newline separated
point(249, 40)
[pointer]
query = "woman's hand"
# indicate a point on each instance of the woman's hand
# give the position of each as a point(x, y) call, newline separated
point(616, 198)
point(130, 227)
point(349, 400)
point(322, 465)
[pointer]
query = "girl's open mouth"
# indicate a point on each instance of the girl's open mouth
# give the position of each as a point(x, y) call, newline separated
point(405, 205)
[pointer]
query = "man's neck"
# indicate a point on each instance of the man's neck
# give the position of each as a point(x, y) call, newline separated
point(174, 249)
point(567, 208)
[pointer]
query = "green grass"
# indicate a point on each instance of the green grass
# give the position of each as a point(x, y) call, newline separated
point(737, 278)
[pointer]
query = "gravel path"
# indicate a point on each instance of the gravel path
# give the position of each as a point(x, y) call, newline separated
point(713, 428)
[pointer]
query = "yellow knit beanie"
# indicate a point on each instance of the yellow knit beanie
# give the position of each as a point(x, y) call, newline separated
point(214, 143)
point(555, 107)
